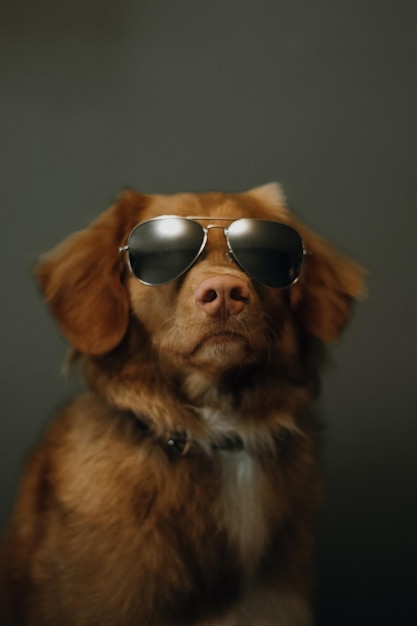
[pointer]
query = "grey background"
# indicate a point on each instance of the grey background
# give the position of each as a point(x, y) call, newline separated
point(181, 95)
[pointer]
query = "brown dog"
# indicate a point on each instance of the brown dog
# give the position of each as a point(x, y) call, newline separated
point(183, 487)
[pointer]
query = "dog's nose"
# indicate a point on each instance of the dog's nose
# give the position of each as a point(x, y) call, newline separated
point(222, 296)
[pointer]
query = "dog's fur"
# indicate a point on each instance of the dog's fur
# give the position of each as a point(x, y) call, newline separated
point(183, 487)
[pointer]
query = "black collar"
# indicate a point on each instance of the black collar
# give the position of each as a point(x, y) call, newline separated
point(178, 443)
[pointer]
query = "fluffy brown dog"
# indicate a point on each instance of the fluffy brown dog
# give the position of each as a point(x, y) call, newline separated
point(183, 487)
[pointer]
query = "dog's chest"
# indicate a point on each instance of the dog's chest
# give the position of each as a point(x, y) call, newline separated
point(242, 503)
point(242, 506)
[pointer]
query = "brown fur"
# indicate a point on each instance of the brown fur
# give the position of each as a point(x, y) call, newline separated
point(111, 526)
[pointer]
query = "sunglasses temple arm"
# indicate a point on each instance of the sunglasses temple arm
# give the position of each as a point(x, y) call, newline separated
point(123, 248)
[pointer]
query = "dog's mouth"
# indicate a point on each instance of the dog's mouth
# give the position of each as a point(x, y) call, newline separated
point(223, 349)
point(218, 338)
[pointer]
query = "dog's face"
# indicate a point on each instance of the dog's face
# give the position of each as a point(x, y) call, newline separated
point(214, 317)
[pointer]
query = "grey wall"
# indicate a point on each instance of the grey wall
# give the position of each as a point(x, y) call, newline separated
point(172, 95)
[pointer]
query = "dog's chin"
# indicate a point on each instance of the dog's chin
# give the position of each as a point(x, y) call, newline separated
point(222, 351)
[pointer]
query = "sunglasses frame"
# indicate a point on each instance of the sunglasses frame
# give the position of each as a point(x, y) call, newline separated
point(205, 230)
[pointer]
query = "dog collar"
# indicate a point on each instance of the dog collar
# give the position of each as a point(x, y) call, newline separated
point(178, 443)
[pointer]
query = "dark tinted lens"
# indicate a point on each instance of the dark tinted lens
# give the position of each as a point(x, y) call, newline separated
point(161, 250)
point(270, 252)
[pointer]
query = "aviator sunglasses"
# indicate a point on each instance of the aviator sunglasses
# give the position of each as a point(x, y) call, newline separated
point(162, 249)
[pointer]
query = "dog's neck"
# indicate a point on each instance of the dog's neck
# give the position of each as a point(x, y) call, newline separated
point(221, 437)
point(208, 409)
point(180, 443)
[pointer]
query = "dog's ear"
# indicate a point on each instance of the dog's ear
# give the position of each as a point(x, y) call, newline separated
point(329, 282)
point(81, 279)
point(328, 285)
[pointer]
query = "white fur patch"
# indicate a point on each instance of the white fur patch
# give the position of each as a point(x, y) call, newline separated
point(242, 511)
point(242, 506)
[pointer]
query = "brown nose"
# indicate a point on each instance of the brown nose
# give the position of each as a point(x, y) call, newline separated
point(222, 296)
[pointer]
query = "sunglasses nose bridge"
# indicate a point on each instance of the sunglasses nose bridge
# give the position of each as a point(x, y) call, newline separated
point(217, 240)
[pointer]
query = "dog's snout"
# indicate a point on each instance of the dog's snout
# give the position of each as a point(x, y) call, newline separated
point(222, 296)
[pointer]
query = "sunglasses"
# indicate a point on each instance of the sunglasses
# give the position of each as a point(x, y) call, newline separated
point(162, 249)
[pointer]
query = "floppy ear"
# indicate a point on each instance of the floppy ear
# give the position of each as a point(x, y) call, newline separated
point(328, 285)
point(81, 279)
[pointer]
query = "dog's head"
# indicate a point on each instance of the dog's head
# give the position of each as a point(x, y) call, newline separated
point(215, 317)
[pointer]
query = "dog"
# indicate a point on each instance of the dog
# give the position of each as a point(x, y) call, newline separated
point(183, 487)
